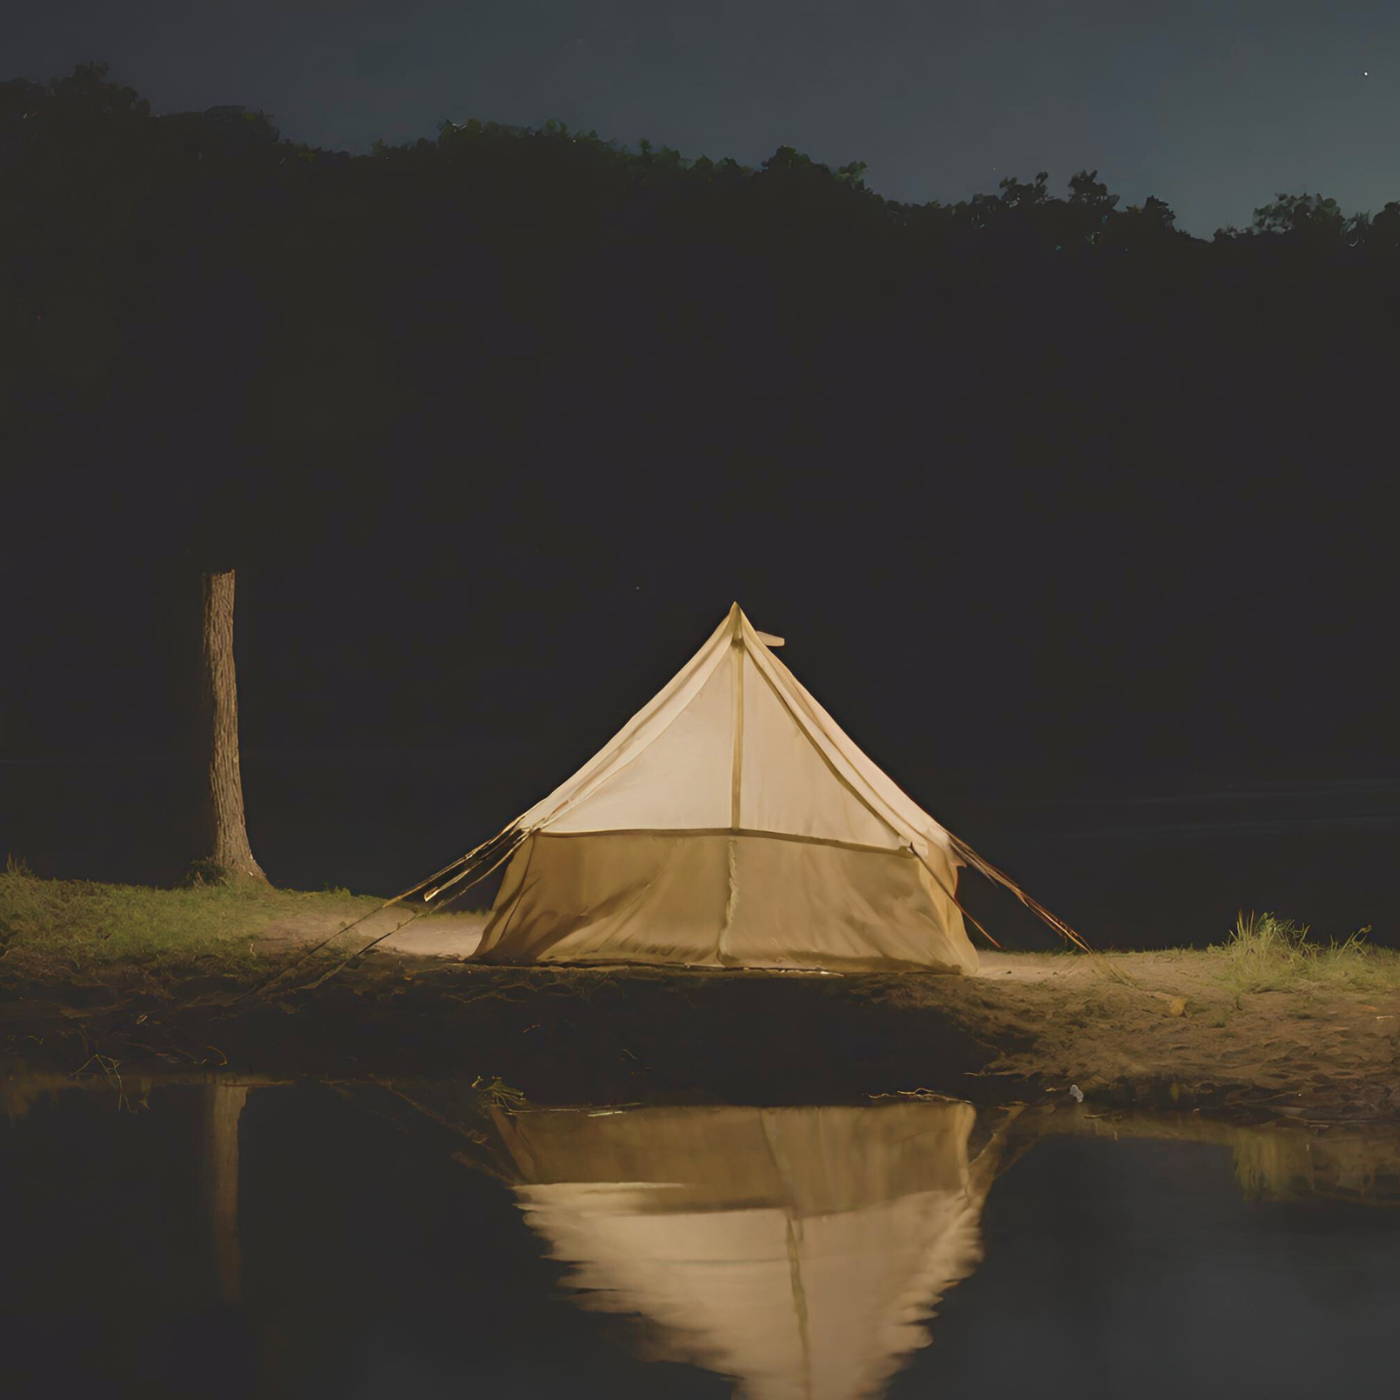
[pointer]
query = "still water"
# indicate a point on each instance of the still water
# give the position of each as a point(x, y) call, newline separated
point(251, 1238)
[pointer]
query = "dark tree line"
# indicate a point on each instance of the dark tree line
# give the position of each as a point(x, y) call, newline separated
point(146, 258)
point(1058, 437)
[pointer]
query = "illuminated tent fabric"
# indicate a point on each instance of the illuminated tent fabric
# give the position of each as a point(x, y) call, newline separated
point(800, 1251)
point(731, 823)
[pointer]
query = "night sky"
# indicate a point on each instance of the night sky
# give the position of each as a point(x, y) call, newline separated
point(1210, 105)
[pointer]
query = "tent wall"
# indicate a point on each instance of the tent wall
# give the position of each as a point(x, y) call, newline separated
point(720, 898)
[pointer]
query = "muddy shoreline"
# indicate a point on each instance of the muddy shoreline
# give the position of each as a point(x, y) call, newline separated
point(1154, 1031)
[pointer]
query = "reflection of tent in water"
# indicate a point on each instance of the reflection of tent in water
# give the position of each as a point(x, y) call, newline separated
point(799, 1250)
point(731, 823)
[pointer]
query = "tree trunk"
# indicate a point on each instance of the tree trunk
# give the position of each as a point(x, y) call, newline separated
point(227, 853)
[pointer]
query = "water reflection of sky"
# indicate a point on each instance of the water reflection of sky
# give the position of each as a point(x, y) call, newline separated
point(307, 1241)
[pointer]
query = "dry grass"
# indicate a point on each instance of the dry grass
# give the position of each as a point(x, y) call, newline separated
point(1264, 953)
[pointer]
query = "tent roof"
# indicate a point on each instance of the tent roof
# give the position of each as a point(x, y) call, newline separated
point(736, 742)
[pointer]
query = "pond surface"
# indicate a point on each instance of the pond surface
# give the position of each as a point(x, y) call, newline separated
point(247, 1239)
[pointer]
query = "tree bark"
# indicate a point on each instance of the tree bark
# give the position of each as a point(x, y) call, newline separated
point(226, 849)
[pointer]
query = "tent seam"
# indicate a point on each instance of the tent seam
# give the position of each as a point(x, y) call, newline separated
point(903, 849)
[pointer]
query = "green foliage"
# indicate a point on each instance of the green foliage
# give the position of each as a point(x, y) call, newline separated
point(204, 871)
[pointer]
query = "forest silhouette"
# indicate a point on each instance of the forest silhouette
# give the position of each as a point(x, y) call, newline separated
point(1083, 493)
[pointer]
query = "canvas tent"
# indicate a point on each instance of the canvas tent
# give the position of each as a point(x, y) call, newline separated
point(731, 823)
point(800, 1251)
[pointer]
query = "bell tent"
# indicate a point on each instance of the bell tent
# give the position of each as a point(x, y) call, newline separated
point(731, 823)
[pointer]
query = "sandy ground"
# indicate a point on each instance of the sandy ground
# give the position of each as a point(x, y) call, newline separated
point(450, 936)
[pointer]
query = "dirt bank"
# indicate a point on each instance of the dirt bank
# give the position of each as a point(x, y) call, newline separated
point(1323, 1051)
point(1177, 1025)
point(1154, 1029)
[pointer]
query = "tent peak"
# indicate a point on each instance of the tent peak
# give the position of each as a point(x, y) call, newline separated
point(739, 619)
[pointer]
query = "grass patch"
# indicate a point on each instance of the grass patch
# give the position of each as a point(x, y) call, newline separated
point(78, 928)
point(1264, 953)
